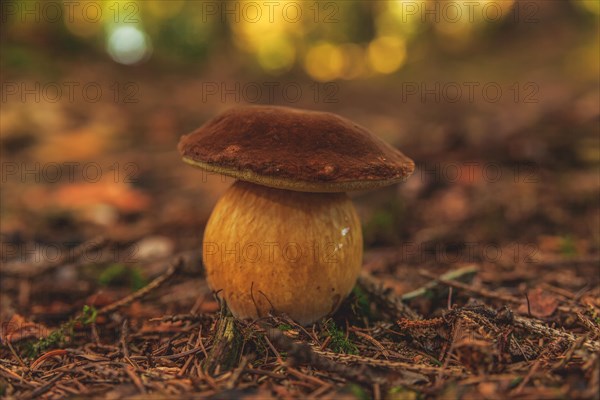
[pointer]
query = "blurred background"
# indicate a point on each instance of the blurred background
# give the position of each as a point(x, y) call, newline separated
point(497, 101)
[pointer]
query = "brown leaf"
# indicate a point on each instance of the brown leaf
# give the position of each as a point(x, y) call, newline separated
point(116, 194)
point(541, 303)
point(18, 328)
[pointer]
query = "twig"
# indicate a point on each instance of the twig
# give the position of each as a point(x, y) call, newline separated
point(14, 375)
point(483, 292)
point(542, 329)
point(27, 270)
point(524, 323)
point(386, 298)
point(373, 341)
point(157, 282)
point(588, 324)
point(455, 331)
point(459, 285)
point(236, 373)
point(182, 354)
point(42, 389)
point(569, 355)
point(303, 353)
point(394, 365)
point(465, 273)
point(191, 357)
point(310, 354)
point(534, 368)
point(528, 304)
point(44, 357)
point(130, 371)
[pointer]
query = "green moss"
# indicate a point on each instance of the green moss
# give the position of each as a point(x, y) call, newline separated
point(434, 360)
point(358, 391)
point(58, 337)
point(361, 305)
point(116, 274)
point(339, 342)
point(284, 327)
point(402, 393)
point(567, 246)
point(515, 382)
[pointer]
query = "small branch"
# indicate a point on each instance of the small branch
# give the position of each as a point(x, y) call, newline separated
point(386, 298)
point(520, 322)
point(462, 274)
point(303, 353)
point(156, 283)
point(28, 270)
point(543, 329)
point(483, 292)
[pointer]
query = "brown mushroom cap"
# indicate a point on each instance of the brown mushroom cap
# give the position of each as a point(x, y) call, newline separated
point(292, 149)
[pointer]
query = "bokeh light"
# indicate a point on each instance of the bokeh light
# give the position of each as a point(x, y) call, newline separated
point(276, 54)
point(592, 6)
point(386, 54)
point(324, 61)
point(321, 38)
point(128, 45)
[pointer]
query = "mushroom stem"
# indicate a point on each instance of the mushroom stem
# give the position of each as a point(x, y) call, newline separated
point(278, 250)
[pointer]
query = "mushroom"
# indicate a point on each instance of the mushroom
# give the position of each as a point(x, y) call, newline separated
point(285, 237)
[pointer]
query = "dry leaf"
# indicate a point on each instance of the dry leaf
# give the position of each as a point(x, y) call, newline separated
point(116, 194)
point(542, 304)
point(18, 328)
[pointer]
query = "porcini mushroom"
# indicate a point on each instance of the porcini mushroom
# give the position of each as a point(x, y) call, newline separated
point(285, 237)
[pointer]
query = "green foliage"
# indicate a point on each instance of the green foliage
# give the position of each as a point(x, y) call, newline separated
point(515, 382)
point(119, 273)
point(383, 226)
point(567, 246)
point(402, 393)
point(380, 225)
point(339, 342)
point(89, 314)
point(358, 391)
point(58, 337)
point(361, 305)
point(284, 327)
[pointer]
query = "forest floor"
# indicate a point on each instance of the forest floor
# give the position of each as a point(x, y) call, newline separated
point(480, 279)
